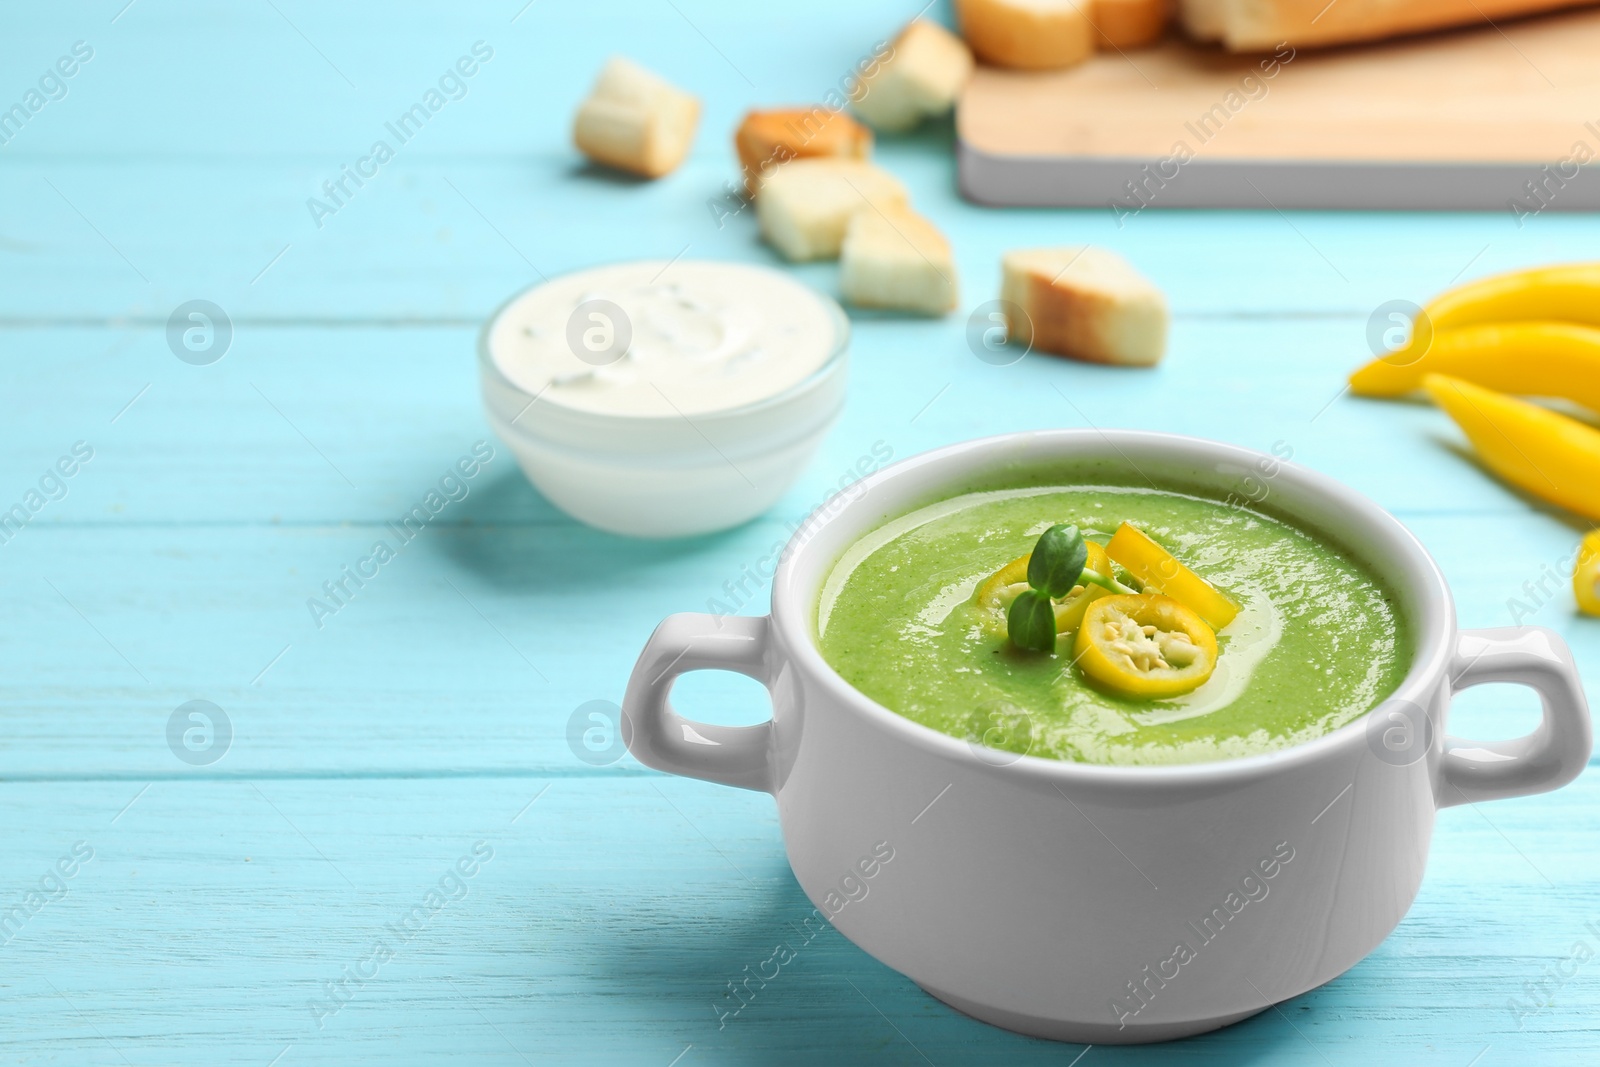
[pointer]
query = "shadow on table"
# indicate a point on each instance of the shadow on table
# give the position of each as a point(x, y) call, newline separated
point(585, 170)
point(720, 984)
point(513, 538)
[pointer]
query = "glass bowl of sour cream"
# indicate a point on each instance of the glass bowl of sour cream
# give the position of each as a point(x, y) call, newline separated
point(664, 399)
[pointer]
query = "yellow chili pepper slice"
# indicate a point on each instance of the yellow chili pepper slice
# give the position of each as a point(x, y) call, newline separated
point(1145, 645)
point(1550, 455)
point(1530, 358)
point(996, 592)
point(1070, 612)
point(1586, 579)
point(1159, 571)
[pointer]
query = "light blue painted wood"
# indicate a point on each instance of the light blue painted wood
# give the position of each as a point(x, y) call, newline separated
point(614, 912)
point(368, 755)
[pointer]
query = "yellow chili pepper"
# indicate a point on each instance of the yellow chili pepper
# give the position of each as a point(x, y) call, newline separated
point(1550, 455)
point(1531, 358)
point(1567, 293)
point(1145, 646)
point(996, 592)
point(1158, 571)
point(1586, 579)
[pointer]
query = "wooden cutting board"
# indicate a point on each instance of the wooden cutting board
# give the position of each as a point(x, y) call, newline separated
point(1497, 118)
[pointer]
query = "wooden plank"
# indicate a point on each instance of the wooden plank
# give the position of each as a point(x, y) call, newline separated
point(473, 649)
point(412, 250)
point(311, 425)
point(193, 541)
point(613, 913)
point(298, 82)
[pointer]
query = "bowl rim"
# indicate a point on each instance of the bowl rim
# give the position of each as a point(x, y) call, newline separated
point(836, 359)
point(1432, 617)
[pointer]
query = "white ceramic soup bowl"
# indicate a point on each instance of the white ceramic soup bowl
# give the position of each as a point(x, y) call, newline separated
point(1105, 903)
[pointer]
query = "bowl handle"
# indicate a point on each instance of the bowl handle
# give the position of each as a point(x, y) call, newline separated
point(1554, 754)
point(659, 737)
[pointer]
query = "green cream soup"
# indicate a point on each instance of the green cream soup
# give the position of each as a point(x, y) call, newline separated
point(1318, 641)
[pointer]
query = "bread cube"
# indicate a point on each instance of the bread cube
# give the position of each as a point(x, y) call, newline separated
point(1124, 24)
point(767, 139)
point(635, 120)
point(921, 78)
point(806, 206)
point(894, 258)
point(1027, 34)
point(1084, 302)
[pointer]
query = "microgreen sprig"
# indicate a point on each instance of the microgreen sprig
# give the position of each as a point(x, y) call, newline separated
point(1058, 558)
point(1059, 562)
point(1031, 621)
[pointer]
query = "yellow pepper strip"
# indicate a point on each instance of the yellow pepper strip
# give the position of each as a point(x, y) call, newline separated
point(1586, 579)
point(1568, 293)
point(1145, 646)
point(996, 592)
point(1530, 358)
point(1552, 456)
point(1158, 571)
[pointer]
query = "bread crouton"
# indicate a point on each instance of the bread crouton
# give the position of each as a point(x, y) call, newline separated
point(1084, 302)
point(636, 121)
point(894, 258)
point(806, 205)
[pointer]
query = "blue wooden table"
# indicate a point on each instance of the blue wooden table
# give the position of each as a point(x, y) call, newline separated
point(390, 843)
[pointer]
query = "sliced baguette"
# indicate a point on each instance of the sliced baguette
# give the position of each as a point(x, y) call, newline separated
point(1084, 302)
point(767, 139)
point(1027, 34)
point(920, 78)
point(1263, 25)
point(635, 120)
point(805, 206)
point(1125, 24)
point(894, 258)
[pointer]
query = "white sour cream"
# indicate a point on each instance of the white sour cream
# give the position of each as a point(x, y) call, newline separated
point(692, 337)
